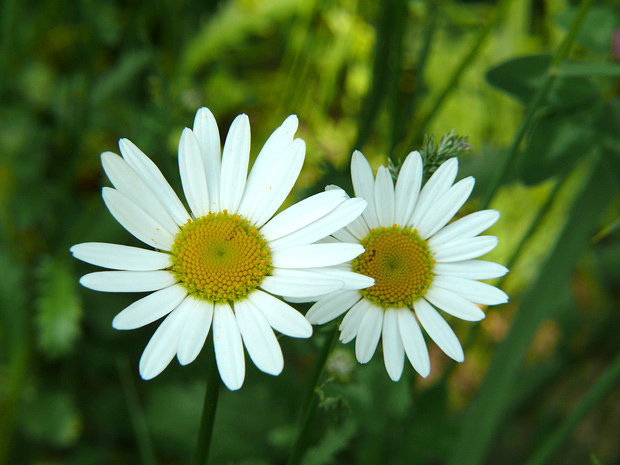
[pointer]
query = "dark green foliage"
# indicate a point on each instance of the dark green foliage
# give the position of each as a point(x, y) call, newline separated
point(74, 78)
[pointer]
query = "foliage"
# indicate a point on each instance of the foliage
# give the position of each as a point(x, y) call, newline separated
point(374, 76)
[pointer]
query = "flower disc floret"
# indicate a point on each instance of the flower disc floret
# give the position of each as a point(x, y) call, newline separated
point(220, 257)
point(401, 263)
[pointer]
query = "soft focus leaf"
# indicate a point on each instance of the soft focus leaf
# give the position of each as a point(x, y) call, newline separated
point(520, 77)
point(597, 27)
point(51, 418)
point(126, 71)
point(59, 309)
point(604, 69)
point(335, 440)
point(493, 400)
point(556, 142)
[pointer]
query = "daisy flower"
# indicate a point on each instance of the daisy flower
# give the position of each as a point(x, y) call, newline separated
point(221, 263)
point(420, 263)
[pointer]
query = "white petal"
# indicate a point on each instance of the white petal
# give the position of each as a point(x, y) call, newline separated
point(474, 291)
point(303, 300)
point(281, 316)
point(127, 182)
point(468, 226)
point(315, 255)
point(332, 306)
point(351, 280)
point(278, 141)
point(351, 322)
point(298, 286)
point(162, 347)
point(153, 178)
point(120, 257)
point(464, 249)
point(364, 186)
point(413, 342)
point(384, 197)
point(393, 350)
point(195, 331)
point(274, 172)
point(368, 334)
point(342, 215)
point(437, 185)
point(302, 214)
point(135, 220)
point(454, 304)
point(258, 338)
point(445, 208)
point(150, 308)
point(208, 135)
point(439, 330)
point(235, 159)
point(407, 188)
point(193, 176)
point(470, 269)
point(344, 235)
point(127, 281)
point(228, 347)
point(276, 184)
point(358, 227)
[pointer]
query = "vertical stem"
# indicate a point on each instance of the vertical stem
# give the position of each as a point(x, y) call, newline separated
point(205, 433)
point(311, 398)
point(594, 396)
point(402, 117)
point(562, 52)
point(136, 414)
point(381, 69)
point(468, 59)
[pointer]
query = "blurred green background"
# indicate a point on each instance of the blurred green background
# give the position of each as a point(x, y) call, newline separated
point(540, 379)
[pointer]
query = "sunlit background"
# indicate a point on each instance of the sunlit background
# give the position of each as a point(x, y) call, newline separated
point(375, 76)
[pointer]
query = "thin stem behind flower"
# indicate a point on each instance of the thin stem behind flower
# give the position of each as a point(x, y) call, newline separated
point(466, 61)
point(205, 433)
point(311, 398)
point(537, 100)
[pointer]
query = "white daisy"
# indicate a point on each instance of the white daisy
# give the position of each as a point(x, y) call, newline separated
point(222, 263)
point(419, 265)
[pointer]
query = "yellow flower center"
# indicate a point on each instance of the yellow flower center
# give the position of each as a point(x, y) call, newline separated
point(220, 257)
point(401, 263)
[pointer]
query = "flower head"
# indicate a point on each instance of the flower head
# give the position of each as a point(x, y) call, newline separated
point(221, 263)
point(419, 262)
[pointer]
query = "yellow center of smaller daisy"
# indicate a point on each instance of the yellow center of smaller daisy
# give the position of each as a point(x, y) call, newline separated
point(220, 257)
point(401, 263)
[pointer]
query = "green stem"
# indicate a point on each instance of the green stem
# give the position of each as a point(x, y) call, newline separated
point(136, 414)
point(467, 60)
point(205, 433)
point(392, 13)
point(402, 117)
point(311, 398)
point(606, 382)
point(506, 162)
point(542, 212)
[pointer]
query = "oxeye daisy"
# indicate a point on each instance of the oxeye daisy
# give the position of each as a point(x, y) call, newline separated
point(422, 265)
point(223, 262)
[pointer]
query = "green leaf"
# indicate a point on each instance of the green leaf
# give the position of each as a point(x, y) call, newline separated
point(556, 142)
point(52, 418)
point(122, 75)
point(521, 77)
point(605, 69)
point(597, 28)
point(489, 409)
point(334, 441)
point(59, 308)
